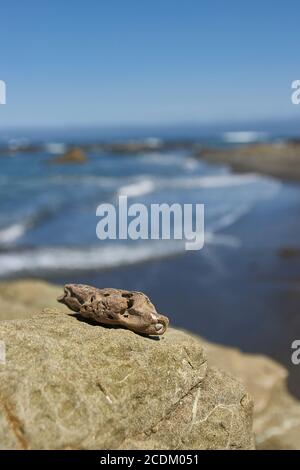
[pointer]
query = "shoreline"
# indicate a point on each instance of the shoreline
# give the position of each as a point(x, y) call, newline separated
point(132, 146)
point(276, 159)
point(279, 160)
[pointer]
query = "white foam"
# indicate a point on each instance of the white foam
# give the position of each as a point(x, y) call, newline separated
point(55, 148)
point(12, 233)
point(164, 159)
point(217, 181)
point(85, 259)
point(191, 163)
point(146, 186)
point(137, 189)
point(243, 137)
point(68, 259)
point(153, 142)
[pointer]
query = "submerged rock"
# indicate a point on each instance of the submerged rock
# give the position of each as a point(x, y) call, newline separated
point(68, 384)
point(73, 155)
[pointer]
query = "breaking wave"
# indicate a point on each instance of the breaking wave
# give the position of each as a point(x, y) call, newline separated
point(137, 189)
point(244, 137)
point(145, 186)
point(47, 260)
point(12, 233)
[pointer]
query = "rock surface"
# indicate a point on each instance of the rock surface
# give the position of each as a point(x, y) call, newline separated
point(73, 155)
point(24, 298)
point(276, 411)
point(68, 384)
point(281, 159)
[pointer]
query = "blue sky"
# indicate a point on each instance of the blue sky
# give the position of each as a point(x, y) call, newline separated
point(139, 62)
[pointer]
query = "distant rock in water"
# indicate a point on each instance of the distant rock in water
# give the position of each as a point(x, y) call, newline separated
point(73, 155)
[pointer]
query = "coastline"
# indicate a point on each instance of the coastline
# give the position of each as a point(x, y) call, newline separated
point(280, 160)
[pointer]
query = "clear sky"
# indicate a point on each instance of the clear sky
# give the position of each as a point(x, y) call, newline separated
point(75, 62)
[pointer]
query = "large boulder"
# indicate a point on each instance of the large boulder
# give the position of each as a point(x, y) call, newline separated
point(276, 411)
point(69, 384)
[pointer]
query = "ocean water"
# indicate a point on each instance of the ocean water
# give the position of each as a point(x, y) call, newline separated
point(48, 211)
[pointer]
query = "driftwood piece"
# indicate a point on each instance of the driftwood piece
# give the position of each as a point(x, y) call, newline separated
point(132, 310)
